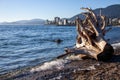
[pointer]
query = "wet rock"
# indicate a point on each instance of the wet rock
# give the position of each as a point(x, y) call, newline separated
point(57, 41)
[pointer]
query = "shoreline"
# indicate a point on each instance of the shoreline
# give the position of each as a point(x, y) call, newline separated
point(75, 70)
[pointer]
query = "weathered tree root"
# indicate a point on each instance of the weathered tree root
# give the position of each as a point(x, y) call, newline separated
point(90, 40)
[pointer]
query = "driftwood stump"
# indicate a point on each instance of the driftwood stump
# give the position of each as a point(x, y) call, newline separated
point(91, 32)
point(90, 40)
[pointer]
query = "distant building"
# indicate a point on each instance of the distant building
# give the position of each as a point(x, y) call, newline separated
point(114, 19)
point(47, 22)
point(110, 21)
point(60, 22)
point(65, 22)
point(119, 21)
point(56, 19)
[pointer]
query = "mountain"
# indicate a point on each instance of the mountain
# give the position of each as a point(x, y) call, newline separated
point(112, 11)
point(25, 22)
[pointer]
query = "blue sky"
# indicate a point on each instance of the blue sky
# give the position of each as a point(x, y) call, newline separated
point(13, 10)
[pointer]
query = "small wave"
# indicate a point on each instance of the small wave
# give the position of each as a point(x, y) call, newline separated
point(27, 36)
point(3, 39)
point(55, 64)
point(12, 43)
point(116, 47)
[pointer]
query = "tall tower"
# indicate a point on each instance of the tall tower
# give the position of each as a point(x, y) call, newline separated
point(100, 11)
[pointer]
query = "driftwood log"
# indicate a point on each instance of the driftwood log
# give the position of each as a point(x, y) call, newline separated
point(90, 40)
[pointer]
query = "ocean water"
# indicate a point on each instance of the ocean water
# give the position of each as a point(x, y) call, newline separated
point(28, 45)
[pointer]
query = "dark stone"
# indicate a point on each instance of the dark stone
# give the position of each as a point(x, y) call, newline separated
point(106, 54)
point(58, 41)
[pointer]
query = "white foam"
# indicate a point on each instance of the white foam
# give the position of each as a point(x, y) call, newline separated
point(115, 45)
point(55, 64)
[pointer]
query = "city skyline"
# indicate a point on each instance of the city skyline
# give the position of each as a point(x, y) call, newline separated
point(13, 10)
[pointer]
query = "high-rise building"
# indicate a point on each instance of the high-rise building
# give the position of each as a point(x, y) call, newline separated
point(56, 19)
point(65, 21)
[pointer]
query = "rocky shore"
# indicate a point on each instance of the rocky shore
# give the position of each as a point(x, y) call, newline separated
point(88, 69)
